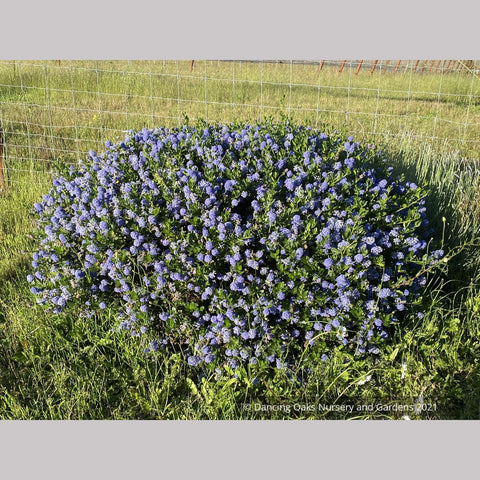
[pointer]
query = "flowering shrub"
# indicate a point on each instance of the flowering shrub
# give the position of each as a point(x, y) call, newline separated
point(238, 244)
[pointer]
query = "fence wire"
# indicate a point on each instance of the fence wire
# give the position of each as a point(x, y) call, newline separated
point(53, 112)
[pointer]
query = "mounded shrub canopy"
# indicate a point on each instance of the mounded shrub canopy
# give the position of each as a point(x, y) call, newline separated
point(239, 244)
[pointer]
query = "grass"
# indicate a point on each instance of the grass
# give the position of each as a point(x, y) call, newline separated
point(64, 367)
point(58, 112)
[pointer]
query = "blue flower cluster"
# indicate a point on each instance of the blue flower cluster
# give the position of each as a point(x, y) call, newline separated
point(240, 244)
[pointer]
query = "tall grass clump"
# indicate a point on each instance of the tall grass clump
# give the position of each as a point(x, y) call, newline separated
point(252, 247)
point(453, 201)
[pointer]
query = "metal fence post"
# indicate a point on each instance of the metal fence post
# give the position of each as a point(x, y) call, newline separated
point(358, 68)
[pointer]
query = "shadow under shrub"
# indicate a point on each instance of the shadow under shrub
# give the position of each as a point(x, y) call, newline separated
point(243, 246)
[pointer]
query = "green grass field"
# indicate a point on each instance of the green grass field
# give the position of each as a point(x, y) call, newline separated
point(60, 367)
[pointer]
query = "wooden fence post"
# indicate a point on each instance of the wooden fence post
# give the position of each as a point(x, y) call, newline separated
point(396, 67)
point(341, 66)
point(386, 65)
point(320, 66)
point(374, 65)
point(3, 178)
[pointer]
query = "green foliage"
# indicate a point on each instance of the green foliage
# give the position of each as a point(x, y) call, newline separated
point(264, 245)
point(60, 367)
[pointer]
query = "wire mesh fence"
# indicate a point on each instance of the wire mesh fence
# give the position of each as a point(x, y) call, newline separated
point(53, 112)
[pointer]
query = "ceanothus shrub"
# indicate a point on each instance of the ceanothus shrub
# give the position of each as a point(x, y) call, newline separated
point(237, 244)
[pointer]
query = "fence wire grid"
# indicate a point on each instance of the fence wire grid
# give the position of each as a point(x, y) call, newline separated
point(53, 112)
